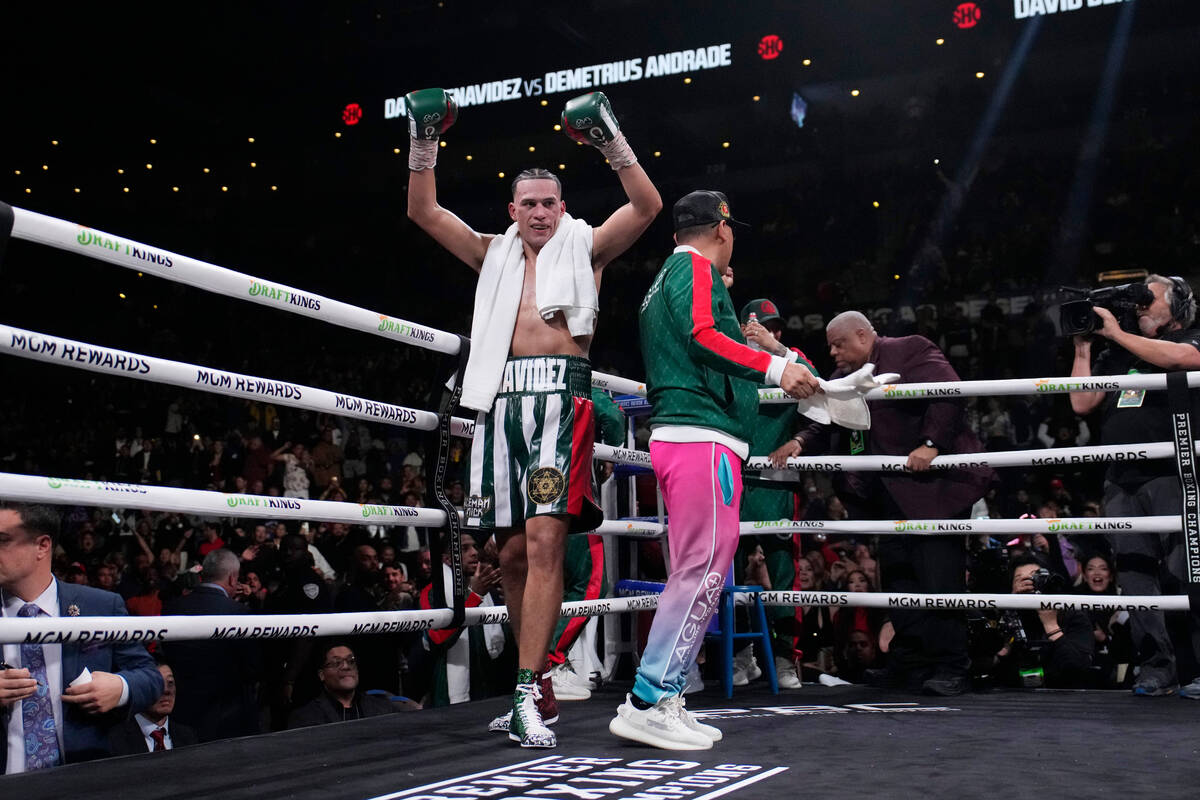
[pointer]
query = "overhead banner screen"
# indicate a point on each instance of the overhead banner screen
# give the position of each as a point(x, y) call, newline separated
point(592, 76)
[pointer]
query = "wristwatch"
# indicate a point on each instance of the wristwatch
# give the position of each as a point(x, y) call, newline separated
point(929, 443)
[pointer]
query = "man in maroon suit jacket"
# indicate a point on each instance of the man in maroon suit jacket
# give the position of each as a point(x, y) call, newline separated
point(929, 649)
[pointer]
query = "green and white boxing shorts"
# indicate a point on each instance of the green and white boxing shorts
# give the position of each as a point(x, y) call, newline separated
point(532, 454)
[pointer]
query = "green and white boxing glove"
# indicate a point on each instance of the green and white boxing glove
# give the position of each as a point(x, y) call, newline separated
point(431, 112)
point(589, 118)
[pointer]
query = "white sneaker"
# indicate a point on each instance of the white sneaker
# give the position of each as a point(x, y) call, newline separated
point(694, 682)
point(695, 724)
point(745, 667)
point(568, 685)
point(785, 673)
point(662, 725)
point(825, 679)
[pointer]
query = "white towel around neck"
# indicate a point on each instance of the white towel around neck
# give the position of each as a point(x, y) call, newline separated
point(565, 283)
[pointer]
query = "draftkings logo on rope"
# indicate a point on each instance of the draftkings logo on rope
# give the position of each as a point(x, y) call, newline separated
point(89, 238)
point(96, 486)
point(597, 779)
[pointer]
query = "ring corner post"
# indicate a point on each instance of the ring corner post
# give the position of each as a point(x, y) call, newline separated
point(439, 440)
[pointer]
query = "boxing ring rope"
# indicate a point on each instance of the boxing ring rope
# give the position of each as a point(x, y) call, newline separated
point(65, 491)
point(922, 527)
point(965, 602)
point(1006, 386)
point(1089, 454)
point(81, 630)
point(1051, 456)
point(124, 252)
point(81, 355)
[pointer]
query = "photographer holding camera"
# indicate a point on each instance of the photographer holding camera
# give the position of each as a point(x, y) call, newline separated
point(1046, 647)
point(1165, 342)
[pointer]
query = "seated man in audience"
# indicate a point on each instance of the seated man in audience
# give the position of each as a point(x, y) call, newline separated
point(153, 729)
point(340, 699)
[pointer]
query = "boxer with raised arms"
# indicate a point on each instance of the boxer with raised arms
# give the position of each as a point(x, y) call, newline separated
point(536, 307)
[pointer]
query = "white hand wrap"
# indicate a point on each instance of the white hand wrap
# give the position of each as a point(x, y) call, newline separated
point(422, 154)
point(618, 152)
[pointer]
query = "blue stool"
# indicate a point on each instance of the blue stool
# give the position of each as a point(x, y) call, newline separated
point(758, 630)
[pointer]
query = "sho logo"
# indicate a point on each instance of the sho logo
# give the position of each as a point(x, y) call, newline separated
point(769, 47)
point(967, 15)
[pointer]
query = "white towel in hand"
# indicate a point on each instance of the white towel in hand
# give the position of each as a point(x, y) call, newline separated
point(841, 400)
point(565, 283)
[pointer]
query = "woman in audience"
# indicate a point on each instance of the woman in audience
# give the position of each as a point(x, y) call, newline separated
point(1110, 629)
point(856, 632)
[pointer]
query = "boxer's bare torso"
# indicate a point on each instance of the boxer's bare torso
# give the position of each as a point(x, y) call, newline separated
point(536, 336)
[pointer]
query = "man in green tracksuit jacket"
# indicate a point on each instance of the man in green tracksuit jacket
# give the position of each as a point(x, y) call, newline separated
point(702, 381)
point(768, 499)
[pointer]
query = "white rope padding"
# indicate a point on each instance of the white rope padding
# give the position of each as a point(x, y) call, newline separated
point(1007, 386)
point(112, 630)
point(125, 252)
point(639, 529)
point(67, 491)
point(71, 353)
point(1091, 454)
point(938, 527)
point(952, 602)
point(621, 455)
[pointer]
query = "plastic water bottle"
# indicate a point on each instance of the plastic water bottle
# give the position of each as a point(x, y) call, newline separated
point(751, 343)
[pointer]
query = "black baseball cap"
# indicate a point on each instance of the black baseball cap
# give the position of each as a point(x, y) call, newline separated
point(763, 309)
point(701, 207)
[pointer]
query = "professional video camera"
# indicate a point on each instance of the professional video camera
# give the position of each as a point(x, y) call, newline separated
point(1076, 317)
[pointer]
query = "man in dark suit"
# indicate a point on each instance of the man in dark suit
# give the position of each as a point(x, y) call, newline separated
point(929, 649)
point(153, 729)
point(49, 715)
point(218, 680)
